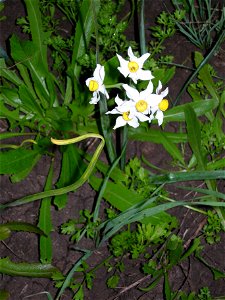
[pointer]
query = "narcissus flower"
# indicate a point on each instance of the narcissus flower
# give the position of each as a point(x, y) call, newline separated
point(142, 100)
point(133, 67)
point(128, 113)
point(159, 104)
point(95, 84)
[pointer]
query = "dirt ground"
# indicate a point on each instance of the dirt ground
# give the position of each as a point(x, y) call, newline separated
point(189, 276)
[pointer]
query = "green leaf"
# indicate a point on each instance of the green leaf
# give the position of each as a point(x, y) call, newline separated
point(113, 281)
point(111, 73)
point(71, 169)
point(194, 136)
point(4, 232)
point(36, 270)
point(124, 199)
point(121, 200)
point(4, 295)
point(28, 102)
point(15, 161)
point(83, 32)
point(24, 52)
point(18, 176)
point(200, 108)
point(187, 176)
point(37, 33)
point(153, 135)
point(194, 246)
point(11, 96)
point(8, 74)
point(22, 226)
point(8, 135)
point(116, 174)
point(170, 147)
point(45, 222)
point(164, 75)
point(10, 115)
point(205, 76)
point(167, 290)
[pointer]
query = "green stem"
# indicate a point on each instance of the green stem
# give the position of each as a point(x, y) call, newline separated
point(103, 187)
point(123, 144)
point(187, 206)
point(142, 29)
point(72, 271)
point(105, 125)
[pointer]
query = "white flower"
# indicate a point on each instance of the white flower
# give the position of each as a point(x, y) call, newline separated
point(133, 67)
point(141, 99)
point(128, 113)
point(158, 104)
point(95, 84)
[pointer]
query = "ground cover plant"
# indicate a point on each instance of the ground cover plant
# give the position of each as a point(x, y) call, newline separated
point(79, 97)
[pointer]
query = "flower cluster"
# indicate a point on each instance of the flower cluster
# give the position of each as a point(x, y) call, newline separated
point(138, 106)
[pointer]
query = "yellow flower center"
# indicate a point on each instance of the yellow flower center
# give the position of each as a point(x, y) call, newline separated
point(164, 104)
point(133, 66)
point(93, 85)
point(141, 105)
point(126, 116)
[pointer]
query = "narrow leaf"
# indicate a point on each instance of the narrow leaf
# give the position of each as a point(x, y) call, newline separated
point(194, 136)
point(45, 222)
point(22, 226)
point(26, 269)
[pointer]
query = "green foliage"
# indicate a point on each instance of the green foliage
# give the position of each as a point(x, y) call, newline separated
point(84, 225)
point(213, 228)
point(138, 241)
point(164, 28)
point(202, 22)
point(48, 99)
point(137, 178)
point(204, 294)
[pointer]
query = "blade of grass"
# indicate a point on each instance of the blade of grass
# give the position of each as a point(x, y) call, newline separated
point(45, 223)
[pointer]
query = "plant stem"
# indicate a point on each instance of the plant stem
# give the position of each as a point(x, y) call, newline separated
point(142, 29)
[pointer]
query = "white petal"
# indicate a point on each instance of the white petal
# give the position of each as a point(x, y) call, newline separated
point(118, 100)
point(134, 77)
point(142, 117)
point(96, 74)
point(102, 73)
point(131, 55)
point(154, 100)
point(123, 66)
point(165, 92)
point(144, 74)
point(133, 122)
point(126, 106)
point(102, 89)
point(142, 59)
point(159, 116)
point(159, 87)
point(95, 98)
point(150, 87)
point(119, 122)
point(131, 92)
point(113, 112)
